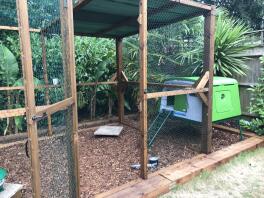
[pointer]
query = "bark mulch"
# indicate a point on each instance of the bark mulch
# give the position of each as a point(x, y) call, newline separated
point(104, 161)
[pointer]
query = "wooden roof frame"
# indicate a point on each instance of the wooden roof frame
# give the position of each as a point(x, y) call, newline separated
point(124, 21)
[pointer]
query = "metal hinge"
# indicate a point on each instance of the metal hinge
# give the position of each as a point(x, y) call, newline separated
point(37, 118)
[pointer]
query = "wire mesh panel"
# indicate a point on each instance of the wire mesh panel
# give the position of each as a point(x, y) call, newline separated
point(169, 122)
point(175, 60)
point(174, 48)
point(56, 161)
point(8, 16)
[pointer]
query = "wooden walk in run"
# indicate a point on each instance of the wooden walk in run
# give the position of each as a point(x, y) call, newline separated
point(164, 180)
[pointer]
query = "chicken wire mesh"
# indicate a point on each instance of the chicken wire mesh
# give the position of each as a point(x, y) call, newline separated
point(175, 59)
point(8, 16)
point(57, 162)
point(175, 49)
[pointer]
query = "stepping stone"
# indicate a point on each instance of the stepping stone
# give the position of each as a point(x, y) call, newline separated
point(108, 131)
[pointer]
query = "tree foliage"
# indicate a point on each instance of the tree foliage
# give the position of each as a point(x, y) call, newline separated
point(250, 11)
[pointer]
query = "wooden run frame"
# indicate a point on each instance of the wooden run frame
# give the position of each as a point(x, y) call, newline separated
point(203, 87)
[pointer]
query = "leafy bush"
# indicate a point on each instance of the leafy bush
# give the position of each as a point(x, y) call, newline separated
point(257, 106)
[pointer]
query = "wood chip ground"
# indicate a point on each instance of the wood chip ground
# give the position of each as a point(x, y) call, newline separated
point(104, 161)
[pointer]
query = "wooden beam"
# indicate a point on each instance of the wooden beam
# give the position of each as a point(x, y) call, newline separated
point(11, 28)
point(203, 98)
point(120, 91)
point(114, 77)
point(66, 10)
point(40, 110)
point(143, 35)
point(130, 125)
point(80, 4)
point(12, 113)
point(50, 109)
point(202, 81)
point(124, 77)
point(162, 85)
point(175, 92)
point(26, 57)
point(209, 30)
point(11, 88)
point(99, 83)
point(193, 4)
point(234, 131)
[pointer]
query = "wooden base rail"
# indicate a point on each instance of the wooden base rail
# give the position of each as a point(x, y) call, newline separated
point(174, 93)
point(130, 125)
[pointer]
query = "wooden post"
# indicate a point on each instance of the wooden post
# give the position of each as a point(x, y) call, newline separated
point(209, 30)
point(143, 85)
point(46, 80)
point(26, 57)
point(69, 65)
point(121, 99)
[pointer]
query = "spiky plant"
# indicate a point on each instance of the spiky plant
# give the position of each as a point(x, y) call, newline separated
point(230, 44)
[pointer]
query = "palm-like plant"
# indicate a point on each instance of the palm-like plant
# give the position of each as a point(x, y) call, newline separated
point(230, 43)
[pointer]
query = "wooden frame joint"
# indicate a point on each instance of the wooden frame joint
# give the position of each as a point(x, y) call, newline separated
point(203, 98)
point(139, 20)
point(123, 76)
point(201, 83)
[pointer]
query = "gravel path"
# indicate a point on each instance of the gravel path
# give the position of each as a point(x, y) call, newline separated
point(104, 161)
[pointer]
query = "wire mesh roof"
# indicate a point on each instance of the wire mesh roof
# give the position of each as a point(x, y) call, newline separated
point(118, 18)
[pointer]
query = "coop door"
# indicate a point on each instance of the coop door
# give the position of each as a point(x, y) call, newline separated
point(223, 101)
point(50, 95)
point(181, 103)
